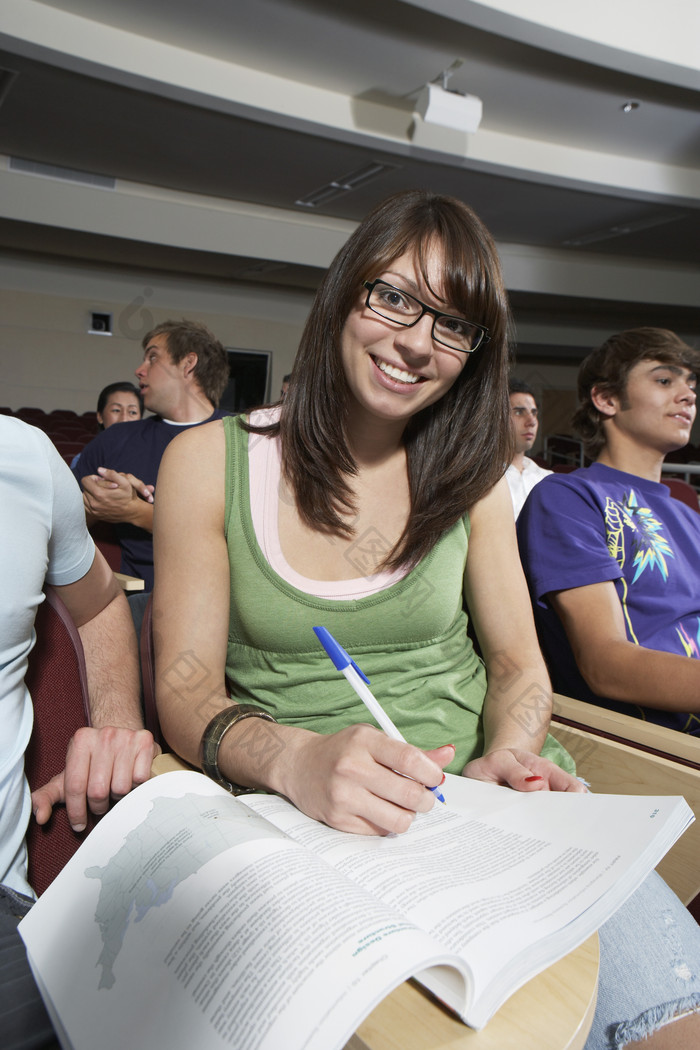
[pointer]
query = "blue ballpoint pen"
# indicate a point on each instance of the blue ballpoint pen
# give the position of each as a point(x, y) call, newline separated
point(358, 680)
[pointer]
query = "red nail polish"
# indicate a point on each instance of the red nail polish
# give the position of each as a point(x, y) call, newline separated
point(529, 780)
point(444, 778)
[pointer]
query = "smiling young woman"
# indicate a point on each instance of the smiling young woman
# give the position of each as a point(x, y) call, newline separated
point(371, 500)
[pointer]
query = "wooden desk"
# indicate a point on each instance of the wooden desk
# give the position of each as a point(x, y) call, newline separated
point(169, 763)
point(617, 766)
point(553, 1011)
point(633, 731)
point(129, 583)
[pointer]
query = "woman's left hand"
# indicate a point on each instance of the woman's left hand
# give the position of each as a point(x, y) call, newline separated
point(522, 771)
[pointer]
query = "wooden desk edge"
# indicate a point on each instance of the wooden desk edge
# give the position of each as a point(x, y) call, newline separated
point(129, 583)
point(169, 763)
point(632, 731)
point(553, 1011)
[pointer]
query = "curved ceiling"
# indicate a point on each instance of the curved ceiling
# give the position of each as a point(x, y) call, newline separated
point(245, 139)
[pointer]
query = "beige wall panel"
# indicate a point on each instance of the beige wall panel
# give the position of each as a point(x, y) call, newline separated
point(50, 360)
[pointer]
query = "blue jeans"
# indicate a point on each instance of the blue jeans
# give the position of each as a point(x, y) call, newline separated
point(649, 967)
point(24, 1023)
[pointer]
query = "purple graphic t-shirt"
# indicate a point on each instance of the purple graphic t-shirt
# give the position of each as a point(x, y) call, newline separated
point(599, 524)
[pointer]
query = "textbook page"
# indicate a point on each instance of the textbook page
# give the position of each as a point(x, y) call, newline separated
point(511, 891)
point(185, 920)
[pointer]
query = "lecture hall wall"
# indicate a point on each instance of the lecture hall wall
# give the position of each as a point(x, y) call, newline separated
point(51, 361)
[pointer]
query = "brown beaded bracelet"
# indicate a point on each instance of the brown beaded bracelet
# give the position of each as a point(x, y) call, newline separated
point(214, 734)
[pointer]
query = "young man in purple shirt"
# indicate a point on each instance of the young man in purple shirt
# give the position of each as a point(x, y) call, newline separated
point(612, 560)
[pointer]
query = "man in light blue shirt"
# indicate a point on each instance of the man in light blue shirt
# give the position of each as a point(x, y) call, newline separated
point(44, 540)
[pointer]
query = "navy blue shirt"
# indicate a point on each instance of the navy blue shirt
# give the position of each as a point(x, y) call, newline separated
point(134, 448)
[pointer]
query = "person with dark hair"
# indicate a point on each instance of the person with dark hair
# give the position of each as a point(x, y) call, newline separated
point(366, 488)
point(182, 377)
point(523, 473)
point(285, 385)
point(117, 403)
point(371, 501)
point(611, 557)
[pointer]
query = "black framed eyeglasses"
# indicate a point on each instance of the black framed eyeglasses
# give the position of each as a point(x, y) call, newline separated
point(394, 304)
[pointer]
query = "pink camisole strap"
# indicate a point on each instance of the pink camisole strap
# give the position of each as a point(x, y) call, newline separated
point(265, 475)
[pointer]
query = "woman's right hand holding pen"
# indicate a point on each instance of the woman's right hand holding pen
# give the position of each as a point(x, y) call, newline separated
point(358, 779)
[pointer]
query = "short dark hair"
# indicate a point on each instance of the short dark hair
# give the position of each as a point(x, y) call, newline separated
point(519, 386)
point(191, 337)
point(456, 448)
point(607, 369)
point(116, 388)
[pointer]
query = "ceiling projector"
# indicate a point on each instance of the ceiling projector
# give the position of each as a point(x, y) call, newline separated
point(452, 109)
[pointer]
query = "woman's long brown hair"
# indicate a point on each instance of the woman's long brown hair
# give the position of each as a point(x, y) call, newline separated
point(456, 448)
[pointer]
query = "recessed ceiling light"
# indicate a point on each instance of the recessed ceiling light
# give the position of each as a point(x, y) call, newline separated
point(624, 229)
point(629, 107)
point(345, 184)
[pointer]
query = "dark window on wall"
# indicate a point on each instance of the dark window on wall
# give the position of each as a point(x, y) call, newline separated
point(249, 380)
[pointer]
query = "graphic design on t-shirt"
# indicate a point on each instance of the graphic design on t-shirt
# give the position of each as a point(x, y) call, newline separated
point(691, 646)
point(650, 548)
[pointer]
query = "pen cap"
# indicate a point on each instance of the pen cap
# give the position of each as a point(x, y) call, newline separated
point(338, 655)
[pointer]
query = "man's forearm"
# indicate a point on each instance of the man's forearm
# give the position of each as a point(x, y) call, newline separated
point(137, 513)
point(111, 658)
point(115, 497)
point(141, 514)
point(624, 671)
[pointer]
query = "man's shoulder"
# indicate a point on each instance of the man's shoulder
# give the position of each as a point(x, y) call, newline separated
point(27, 453)
point(136, 430)
point(585, 491)
point(148, 437)
point(608, 482)
point(125, 435)
point(558, 479)
point(578, 479)
point(125, 447)
point(561, 494)
point(14, 431)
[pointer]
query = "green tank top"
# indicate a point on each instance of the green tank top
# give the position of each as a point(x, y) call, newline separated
point(409, 639)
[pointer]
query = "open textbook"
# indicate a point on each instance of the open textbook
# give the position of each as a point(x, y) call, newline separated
point(193, 918)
